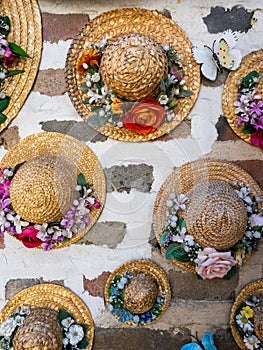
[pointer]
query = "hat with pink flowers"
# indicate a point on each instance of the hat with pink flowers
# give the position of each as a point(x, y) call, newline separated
point(207, 217)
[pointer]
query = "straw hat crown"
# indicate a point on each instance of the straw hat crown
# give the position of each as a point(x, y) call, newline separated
point(41, 331)
point(133, 65)
point(42, 189)
point(258, 318)
point(215, 215)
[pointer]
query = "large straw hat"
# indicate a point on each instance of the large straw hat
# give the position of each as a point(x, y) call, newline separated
point(252, 61)
point(42, 189)
point(250, 297)
point(41, 329)
point(26, 31)
point(133, 63)
point(137, 292)
point(215, 216)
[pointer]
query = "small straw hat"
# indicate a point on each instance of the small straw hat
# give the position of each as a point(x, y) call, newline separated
point(26, 31)
point(133, 63)
point(144, 288)
point(41, 329)
point(214, 214)
point(42, 189)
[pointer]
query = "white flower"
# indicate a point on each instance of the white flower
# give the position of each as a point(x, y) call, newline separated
point(190, 240)
point(251, 342)
point(67, 322)
point(7, 172)
point(24, 310)
point(169, 203)
point(2, 75)
point(19, 320)
point(103, 43)
point(65, 341)
point(163, 99)
point(95, 77)
point(244, 323)
point(18, 223)
point(179, 201)
point(4, 223)
point(42, 231)
point(101, 113)
point(166, 47)
point(256, 220)
point(2, 95)
point(85, 66)
point(7, 327)
point(75, 334)
point(243, 193)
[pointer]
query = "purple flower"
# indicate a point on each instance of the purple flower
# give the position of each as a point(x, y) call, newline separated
point(66, 223)
point(258, 124)
point(48, 245)
point(84, 222)
point(4, 189)
point(242, 119)
point(256, 108)
point(256, 220)
point(4, 205)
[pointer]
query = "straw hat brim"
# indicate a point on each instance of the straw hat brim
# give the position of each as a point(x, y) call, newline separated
point(54, 297)
point(184, 178)
point(76, 152)
point(26, 31)
point(142, 266)
point(252, 61)
point(254, 288)
point(115, 23)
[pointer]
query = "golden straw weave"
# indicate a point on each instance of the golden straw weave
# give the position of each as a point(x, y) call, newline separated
point(54, 297)
point(255, 288)
point(26, 31)
point(185, 178)
point(137, 296)
point(62, 146)
point(113, 24)
point(258, 318)
point(253, 61)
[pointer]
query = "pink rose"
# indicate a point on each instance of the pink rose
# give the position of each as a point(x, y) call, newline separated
point(212, 264)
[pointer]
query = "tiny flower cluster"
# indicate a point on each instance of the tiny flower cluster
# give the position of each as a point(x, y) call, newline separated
point(249, 108)
point(116, 303)
point(10, 325)
point(108, 107)
point(210, 263)
point(244, 322)
point(46, 235)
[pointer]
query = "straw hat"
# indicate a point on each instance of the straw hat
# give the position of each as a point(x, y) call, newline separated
point(133, 63)
point(251, 296)
point(214, 214)
point(41, 329)
point(26, 31)
point(137, 292)
point(42, 190)
point(252, 61)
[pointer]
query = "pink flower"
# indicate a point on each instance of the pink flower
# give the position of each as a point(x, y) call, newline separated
point(4, 189)
point(8, 59)
point(29, 237)
point(96, 205)
point(256, 138)
point(256, 220)
point(212, 264)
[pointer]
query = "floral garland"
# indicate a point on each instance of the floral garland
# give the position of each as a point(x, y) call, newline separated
point(210, 263)
point(46, 235)
point(244, 323)
point(116, 300)
point(141, 117)
point(249, 108)
point(73, 334)
point(8, 53)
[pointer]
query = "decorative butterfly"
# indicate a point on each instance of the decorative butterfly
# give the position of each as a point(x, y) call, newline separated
point(222, 54)
point(206, 343)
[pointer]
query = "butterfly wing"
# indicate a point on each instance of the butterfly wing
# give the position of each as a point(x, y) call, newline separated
point(229, 57)
point(191, 346)
point(230, 37)
point(208, 341)
point(225, 58)
point(204, 57)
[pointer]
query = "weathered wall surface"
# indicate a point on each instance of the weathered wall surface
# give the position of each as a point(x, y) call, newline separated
point(135, 172)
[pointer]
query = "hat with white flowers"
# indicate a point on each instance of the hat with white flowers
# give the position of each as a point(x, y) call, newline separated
point(52, 190)
point(246, 319)
point(130, 73)
point(208, 218)
point(137, 292)
point(46, 317)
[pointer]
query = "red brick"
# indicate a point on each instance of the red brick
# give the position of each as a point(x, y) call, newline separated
point(96, 286)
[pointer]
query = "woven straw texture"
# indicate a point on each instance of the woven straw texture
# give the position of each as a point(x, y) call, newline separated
point(254, 288)
point(215, 215)
point(258, 319)
point(53, 297)
point(132, 66)
point(113, 24)
point(66, 147)
point(253, 61)
point(185, 178)
point(141, 267)
point(26, 31)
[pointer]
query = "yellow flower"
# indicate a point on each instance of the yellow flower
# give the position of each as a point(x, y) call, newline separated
point(89, 58)
point(240, 256)
point(247, 312)
point(117, 106)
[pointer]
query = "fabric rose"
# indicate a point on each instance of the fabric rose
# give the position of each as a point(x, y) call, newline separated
point(212, 264)
point(29, 237)
point(144, 117)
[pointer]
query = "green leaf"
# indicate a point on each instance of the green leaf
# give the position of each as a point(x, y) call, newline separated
point(174, 251)
point(14, 72)
point(231, 273)
point(81, 180)
point(248, 129)
point(185, 93)
point(164, 236)
point(3, 118)
point(83, 344)
point(248, 81)
point(84, 88)
point(18, 50)
point(6, 20)
point(181, 223)
point(62, 314)
point(85, 327)
point(4, 103)
point(96, 120)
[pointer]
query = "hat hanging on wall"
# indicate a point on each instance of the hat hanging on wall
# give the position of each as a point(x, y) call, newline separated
point(130, 73)
point(137, 292)
point(207, 217)
point(46, 317)
point(242, 99)
point(52, 190)
point(20, 22)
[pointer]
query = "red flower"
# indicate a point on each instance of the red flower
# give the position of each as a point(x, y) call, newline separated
point(29, 237)
point(256, 138)
point(144, 117)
